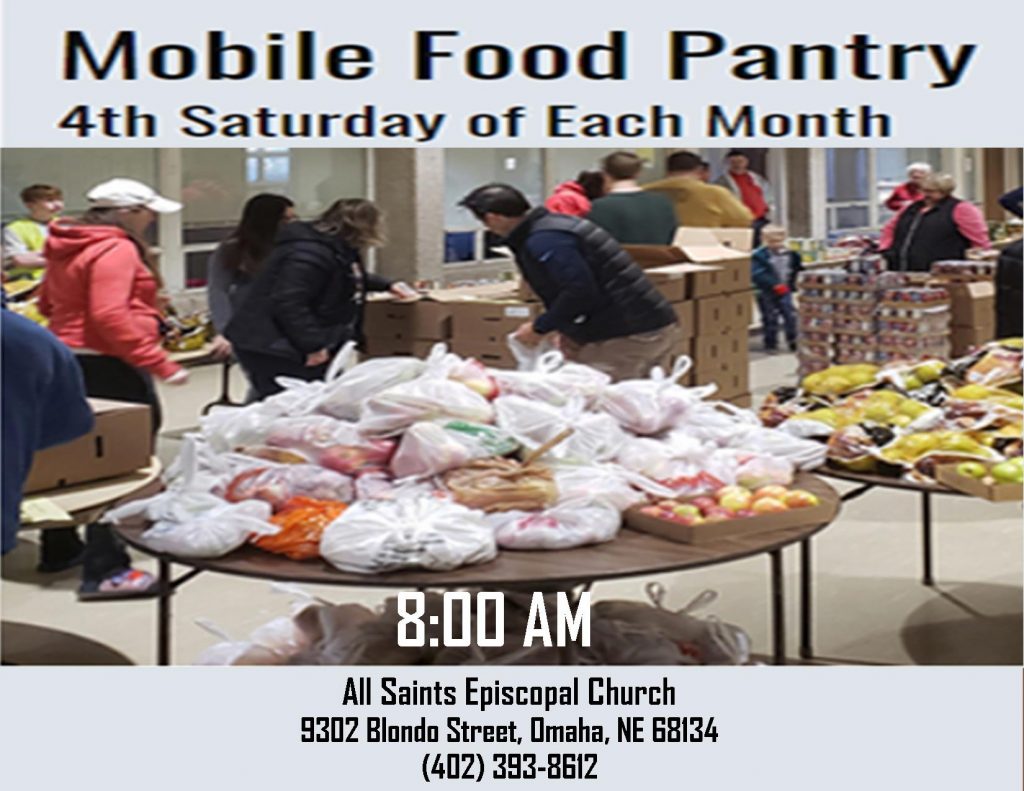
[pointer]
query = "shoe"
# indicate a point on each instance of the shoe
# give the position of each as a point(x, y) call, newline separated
point(121, 585)
point(792, 346)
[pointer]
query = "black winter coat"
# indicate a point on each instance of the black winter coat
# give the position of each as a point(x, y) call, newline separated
point(308, 296)
point(1009, 308)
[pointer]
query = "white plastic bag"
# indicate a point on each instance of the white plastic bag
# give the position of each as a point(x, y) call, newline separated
point(375, 536)
point(570, 523)
point(595, 437)
point(685, 471)
point(650, 406)
point(345, 392)
point(549, 378)
point(432, 448)
point(757, 470)
point(200, 526)
point(429, 397)
point(273, 643)
point(605, 483)
point(717, 422)
point(278, 483)
point(331, 443)
point(528, 358)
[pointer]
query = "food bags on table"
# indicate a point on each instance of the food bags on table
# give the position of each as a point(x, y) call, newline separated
point(570, 523)
point(502, 485)
point(595, 437)
point(432, 448)
point(334, 444)
point(427, 398)
point(345, 393)
point(302, 522)
point(544, 375)
point(653, 405)
point(280, 483)
point(427, 532)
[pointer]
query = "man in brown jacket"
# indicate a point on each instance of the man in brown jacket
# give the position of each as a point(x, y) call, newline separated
point(697, 204)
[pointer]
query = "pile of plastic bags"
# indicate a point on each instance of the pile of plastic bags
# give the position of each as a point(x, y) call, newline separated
point(398, 463)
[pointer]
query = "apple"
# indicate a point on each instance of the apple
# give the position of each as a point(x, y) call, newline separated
point(704, 503)
point(733, 489)
point(1008, 472)
point(773, 491)
point(686, 509)
point(768, 505)
point(651, 510)
point(690, 520)
point(668, 505)
point(971, 469)
point(800, 498)
point(717, 515)
point(746, 512)
point(735, 501)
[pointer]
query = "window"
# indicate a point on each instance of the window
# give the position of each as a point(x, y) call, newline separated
point(267, 166)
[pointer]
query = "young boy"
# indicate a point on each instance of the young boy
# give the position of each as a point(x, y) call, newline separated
point(774, 268)
point(24, 239)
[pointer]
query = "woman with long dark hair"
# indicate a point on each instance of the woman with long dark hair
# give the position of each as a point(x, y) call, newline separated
point(101, 294)
point(238, 259)
point(308, 299)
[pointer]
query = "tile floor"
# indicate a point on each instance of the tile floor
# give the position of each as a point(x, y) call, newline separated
point(870, 605)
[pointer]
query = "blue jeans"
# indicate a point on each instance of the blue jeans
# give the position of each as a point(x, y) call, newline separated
point(773, 307)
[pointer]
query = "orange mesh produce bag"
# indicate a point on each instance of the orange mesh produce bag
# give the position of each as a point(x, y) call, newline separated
point(302, 522)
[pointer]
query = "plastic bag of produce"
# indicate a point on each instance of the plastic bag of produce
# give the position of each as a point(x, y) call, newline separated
point(683, 468)
point(376, 536)
point(529, 358)
point(381, 486)
point(273, 643)
point(430, 397)
point(717, 422)
point(302, 521)
point(350, 384)
point(280, 483)
point(758, 469)
point(804, 454)
point(432, 448)
point(650, 406)
point(196, 525)
point(605, 483)
point(708, 641)
point(331, 443)
point(332, 633)
point(571, 523)
point(595, 438)
point(502, 485)
point(474, 375)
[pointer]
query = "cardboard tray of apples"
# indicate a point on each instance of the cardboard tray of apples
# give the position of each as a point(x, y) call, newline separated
point(736, 511)
point(999, 482)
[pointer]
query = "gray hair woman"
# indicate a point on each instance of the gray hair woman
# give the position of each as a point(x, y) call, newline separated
point(935, 228)
point(909, 191)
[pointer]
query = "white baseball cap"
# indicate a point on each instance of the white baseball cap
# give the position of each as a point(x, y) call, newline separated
point(123, 193)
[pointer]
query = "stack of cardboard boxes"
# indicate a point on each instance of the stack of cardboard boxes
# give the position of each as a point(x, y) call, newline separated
point(972, 294)
point(705, 274)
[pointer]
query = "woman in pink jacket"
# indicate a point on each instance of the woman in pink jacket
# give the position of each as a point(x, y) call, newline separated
point(101, 295)
point(576, 197)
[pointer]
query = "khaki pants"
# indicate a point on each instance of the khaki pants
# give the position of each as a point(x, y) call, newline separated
point(631, 356)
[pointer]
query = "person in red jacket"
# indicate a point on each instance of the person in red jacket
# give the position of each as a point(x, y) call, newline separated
point(576, 197)
point(910, 191)
point(101, 295)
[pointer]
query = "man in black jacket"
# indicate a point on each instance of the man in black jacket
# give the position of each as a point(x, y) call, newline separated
point(605, 310)
point(1009, 309)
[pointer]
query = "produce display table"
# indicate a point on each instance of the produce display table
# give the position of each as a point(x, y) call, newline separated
point(204, 356)
point(869, 481)
point(630, 554)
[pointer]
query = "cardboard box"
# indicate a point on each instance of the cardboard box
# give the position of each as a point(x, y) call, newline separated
point(677, 282)
point(120, 443)
point(686, 316)
point(963, 339)
point(419, 320)
point(699, 246)
point(726, 314)
point(719, 352)
point(494, 355)
point(822, 513)
point(398, 347)
point(739, 239)
point(481, 322)
point(972, 304)
point(947, 475)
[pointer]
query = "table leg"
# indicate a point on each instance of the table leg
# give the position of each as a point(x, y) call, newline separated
point(926, 538)
point(806, 593)
point(778, 609)
point(163, 628)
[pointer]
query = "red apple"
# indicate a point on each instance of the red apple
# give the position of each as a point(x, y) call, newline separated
point(774, 491)
point(746, 512)
point(800, 498)
point(651, 510)
point(704, 503)
point(668, 505)
point(717, 515)
point(768, 505)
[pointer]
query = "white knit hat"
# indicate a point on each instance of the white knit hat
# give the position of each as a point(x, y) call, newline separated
point(124, 193)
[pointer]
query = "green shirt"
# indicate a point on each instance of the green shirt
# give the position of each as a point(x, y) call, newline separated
point(635, 217)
